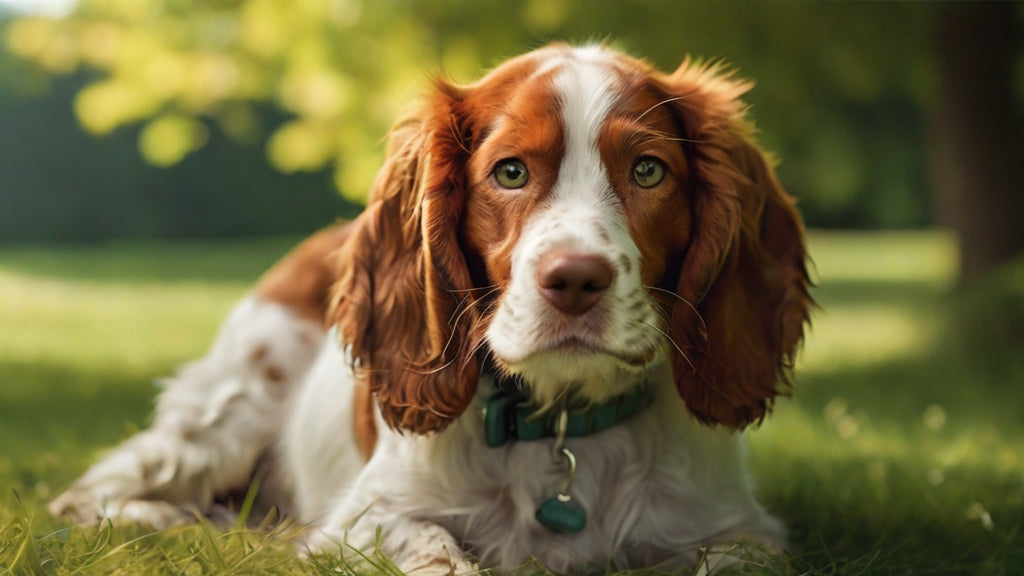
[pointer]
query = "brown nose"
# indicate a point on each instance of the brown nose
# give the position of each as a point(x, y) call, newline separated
point(573, 282)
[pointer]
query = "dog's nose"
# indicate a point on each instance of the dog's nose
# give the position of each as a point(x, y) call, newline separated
point(573, 282)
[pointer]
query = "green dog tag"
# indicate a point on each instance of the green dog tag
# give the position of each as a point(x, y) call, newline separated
point(562, 514)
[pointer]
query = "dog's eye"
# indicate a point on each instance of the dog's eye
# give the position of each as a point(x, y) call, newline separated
point(648, 172)
point(511, 174)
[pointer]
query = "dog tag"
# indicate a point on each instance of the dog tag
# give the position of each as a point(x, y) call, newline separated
point(562, 514)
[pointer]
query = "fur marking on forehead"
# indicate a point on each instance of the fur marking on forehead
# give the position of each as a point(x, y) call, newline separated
point(585, 92)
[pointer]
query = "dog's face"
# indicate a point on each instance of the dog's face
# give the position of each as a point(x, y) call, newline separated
point(577, 203)
point(576, 217)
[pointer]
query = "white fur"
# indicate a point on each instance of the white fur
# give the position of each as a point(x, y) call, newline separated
point(658, 488)
point(319, 443)
point(214, 420)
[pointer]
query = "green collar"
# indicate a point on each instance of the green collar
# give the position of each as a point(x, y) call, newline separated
point(509, 415)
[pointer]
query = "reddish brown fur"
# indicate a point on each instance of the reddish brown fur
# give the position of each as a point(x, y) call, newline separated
point(744, 270)
point(393, 300)
point(302, 279)
point(494, 216)
point(433, 248)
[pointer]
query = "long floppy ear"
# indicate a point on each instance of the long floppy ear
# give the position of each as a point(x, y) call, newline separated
point(400, 294)
point(743, 277)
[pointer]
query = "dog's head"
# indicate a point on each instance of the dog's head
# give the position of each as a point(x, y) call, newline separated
point(574, 218)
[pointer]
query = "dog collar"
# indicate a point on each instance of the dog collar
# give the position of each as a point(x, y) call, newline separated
point(509, 415)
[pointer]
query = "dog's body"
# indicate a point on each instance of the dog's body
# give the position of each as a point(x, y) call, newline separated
point(575, 281)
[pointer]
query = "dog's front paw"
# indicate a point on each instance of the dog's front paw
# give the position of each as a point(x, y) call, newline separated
point(129, 484)
point(447, 561)
point(78, 506)
point(88, 507)
point(417, 548)
point(429, 550)
point(155, 514)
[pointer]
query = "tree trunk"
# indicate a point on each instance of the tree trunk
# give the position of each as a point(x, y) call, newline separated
point(978, 139)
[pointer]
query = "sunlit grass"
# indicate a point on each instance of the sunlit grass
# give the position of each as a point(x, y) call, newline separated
point(894, 257)
point(898, 453)
point(83, 333)
point(895, 280)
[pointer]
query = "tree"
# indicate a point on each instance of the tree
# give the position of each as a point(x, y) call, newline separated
point(979, 133)
point(843, 89)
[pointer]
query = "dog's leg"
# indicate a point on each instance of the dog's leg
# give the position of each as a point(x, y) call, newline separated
point(213, 421)
point(346, 498)
point(220, 414)
point(417, 547)
point(321, 438)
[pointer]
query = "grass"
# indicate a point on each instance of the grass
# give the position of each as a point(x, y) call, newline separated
point(901, 451)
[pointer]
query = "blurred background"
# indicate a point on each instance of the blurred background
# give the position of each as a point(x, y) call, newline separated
point(180, 118)
point(122, 119)
point(157, 155)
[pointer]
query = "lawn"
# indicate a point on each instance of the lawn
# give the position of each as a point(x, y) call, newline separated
point(899, 453)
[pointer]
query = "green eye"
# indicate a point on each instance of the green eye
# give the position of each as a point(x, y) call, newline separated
point(511, 174)
point(648, 172)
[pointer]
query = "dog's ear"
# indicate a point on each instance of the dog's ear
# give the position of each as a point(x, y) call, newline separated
point(399, 300)
point(743, 278)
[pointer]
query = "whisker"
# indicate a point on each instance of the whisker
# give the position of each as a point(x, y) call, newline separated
point(480, 341)
point(489, 289)
point(672, 342)
point(666, 137)
point(477, 347)
point(462, 308)
point(703, 325)
point(662, 103)
point(651, 135)
point(679, 349)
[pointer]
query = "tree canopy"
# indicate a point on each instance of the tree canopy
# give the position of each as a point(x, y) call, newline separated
point(844, 95)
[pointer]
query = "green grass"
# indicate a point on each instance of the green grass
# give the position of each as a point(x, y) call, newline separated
point(901, 451)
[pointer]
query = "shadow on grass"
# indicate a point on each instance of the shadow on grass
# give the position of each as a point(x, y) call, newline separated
point(899, 392)
point(865, 292)
point(914, 465)
point(881, 513)
point(56, 420)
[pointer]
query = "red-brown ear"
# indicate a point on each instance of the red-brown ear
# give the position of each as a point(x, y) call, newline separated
point(743, 277)
point(403, 280)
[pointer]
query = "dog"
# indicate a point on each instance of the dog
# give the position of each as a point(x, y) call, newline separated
point(575, 283)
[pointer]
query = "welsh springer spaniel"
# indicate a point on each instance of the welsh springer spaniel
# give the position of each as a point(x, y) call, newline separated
point(575, 283)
